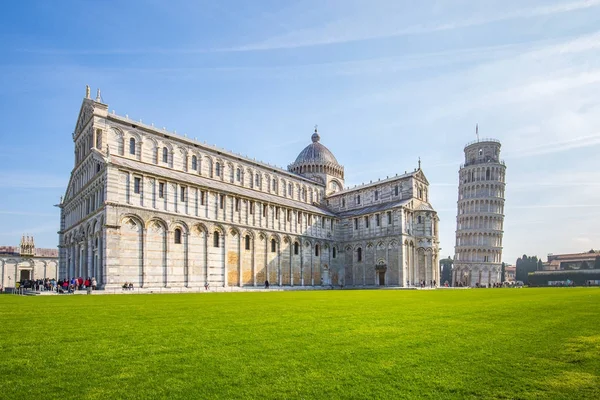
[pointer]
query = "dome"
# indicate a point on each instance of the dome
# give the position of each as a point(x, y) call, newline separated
point(315, 153)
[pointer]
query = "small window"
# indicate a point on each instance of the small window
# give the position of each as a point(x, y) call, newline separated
point(137, 183)
point(396, 190)
point(389, 214)
point(289, 215)
point(358, 199)
point(257, 180)
point(237, 204)
point(132, 146)
point(274, 186)
point(322, 222)
point(343, 202)
point(296, 248)
point(366, 221)
point(273, 246)
point(221, 201)
point(310, 219)
point(419, 219)
point(264, 210)
point(97, 168)
point(247, 240)
point(216, 240)
point(182, 195)
point(355, 223)
point(161, 190)
point(177, 236)
point(299, 218)
point(276, 212)
point(334, 252)
point(317, 250)
point(202, 198)
point(194, 163)
point(377, 195)
point(359, 254)
point(377, 220)
point(290, 190)
point(165, 155)
point(251, 207)
point(238, 174)
point(218, 169)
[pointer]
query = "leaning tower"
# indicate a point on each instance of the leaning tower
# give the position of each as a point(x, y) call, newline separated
point(480, 216)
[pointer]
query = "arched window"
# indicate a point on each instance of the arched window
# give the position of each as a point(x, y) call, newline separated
point(290, 190)
point(487, 174)
point(274, 186)
point(334, 252)
point(165, 155)
point(247, 240)
point(296, 248)
point(257, 180)
point(218, 169)
point(216, 239)
point(273, 246)
point(317, 250)
point(194, 163)
point(419, 219)
point(238, 174)
point(359, 254)
point(132, 146)
point(177, 236)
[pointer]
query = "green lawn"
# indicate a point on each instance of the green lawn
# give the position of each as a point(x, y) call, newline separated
point(492, 343)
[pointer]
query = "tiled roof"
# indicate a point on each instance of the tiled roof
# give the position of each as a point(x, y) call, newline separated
point(46, 252)
point(218, 185)
point(372, 184)
point(373, 209)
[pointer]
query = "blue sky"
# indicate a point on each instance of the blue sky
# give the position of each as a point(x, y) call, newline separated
point(387, 82)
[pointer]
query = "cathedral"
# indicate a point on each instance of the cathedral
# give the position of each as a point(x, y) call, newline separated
point(159, 210)
point(26, 262)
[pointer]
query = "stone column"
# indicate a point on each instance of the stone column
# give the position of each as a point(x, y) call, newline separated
point(291, 262)
point(205, 244)
point(279, 264)
point(186, 261)
point(225, 272)
point(167, 259)
point(90, 257)
point(239, 260)
point(301, 246)
point(144, 256)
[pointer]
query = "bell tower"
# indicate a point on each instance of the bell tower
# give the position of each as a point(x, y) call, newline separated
point(480, 215)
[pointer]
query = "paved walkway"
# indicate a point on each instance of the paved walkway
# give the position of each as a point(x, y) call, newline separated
point(229, 289)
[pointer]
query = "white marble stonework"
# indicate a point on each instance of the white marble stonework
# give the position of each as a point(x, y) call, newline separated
point(148, 206)
point(480, 219)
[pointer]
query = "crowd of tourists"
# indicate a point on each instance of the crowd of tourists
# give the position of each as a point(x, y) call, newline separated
point(60, 286)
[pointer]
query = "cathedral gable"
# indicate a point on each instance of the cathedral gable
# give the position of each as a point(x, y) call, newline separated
point(421, 176)
point(85, 114)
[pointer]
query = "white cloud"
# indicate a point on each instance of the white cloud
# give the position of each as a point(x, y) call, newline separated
point(375, 21)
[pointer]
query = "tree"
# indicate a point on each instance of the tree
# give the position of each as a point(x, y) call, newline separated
point(446, 267)
point(525, 265)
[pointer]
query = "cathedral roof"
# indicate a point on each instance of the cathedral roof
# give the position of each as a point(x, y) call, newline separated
point(315, 153)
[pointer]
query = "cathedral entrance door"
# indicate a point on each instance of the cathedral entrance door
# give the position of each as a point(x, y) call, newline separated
point(24, 275)
point(380, 269)
point(381, 274)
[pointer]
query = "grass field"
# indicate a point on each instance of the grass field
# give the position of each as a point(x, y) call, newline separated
point(493, 343)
